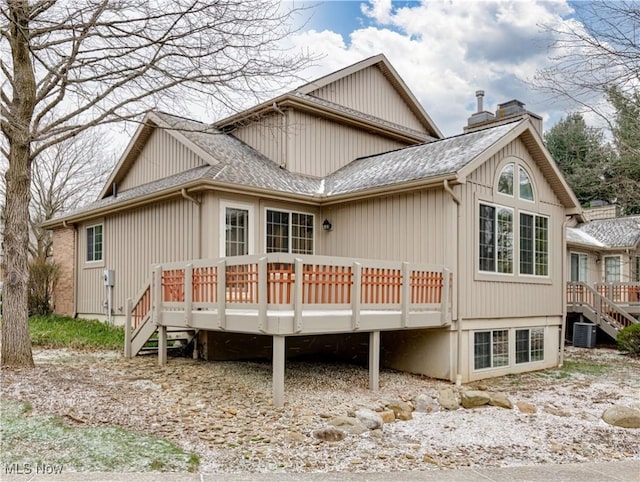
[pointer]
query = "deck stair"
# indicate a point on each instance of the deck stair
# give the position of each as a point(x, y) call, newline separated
point(598, 308)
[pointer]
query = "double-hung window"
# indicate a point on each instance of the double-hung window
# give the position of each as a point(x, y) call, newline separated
point(94, 243)
point(289, 232)
point(612, 269)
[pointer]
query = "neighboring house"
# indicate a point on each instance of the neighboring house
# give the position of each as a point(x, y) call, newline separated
point(603, 261)
point(362, 219)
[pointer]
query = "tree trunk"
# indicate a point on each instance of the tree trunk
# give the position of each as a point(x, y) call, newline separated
point(16, 344)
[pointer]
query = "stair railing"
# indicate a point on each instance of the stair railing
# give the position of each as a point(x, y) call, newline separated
point(136, 315)
point(580, 293)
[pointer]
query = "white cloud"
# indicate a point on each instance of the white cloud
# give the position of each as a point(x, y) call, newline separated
point(445, 51)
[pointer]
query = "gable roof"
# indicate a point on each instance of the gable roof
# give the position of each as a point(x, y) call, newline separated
point(614, 233)
point(302, 98)
point(233, 165)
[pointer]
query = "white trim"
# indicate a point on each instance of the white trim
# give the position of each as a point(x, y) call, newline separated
point(533, 187)
point(86, 237)
point(251, 223)
point(289, 211)
point(496, 187)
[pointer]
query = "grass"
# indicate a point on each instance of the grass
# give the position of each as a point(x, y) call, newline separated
point(31, 440)
point(64, 332)
point(572, 368)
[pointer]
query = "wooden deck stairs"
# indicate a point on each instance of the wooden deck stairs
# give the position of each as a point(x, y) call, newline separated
point(610, 313)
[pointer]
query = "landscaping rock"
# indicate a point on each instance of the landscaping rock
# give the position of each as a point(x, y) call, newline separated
point(527, 408)
point(370, 419)
point(388, 416)
point(329, 434)
point(401, 409)
point(621, 416)
point(500, 400)
point(474, 398)
point(349, 424)
point(447, 399)
point(426, 404)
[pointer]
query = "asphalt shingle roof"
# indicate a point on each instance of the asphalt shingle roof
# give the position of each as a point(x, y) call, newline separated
point(236, 163)
point(615, 232)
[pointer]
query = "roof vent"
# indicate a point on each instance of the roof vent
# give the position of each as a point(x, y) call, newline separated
point(481, 115)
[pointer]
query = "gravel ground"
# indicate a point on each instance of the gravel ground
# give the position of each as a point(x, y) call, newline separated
point(222, 411)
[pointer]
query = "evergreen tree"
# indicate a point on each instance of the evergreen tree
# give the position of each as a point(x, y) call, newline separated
point(623, 176)
point(581, 155)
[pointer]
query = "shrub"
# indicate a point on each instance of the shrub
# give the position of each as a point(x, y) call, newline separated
point(629, 339)
point(43, 276)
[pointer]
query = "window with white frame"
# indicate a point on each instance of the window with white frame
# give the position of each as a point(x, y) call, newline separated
point(236, 232)
point(534, 244)
point(289, 232)
point(525, 187)
point(94, 243)
point(579, 267)
point(529, 345)
point(491, 349)
point(505, 181)
point(612, 269)
point(496, 239)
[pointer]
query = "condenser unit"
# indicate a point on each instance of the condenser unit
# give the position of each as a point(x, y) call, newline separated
point(584, 335)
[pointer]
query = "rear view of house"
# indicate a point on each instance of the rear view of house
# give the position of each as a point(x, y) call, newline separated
point(337, 210)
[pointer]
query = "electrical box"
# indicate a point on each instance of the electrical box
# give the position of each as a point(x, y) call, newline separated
point(584, 335)
point(109, 277)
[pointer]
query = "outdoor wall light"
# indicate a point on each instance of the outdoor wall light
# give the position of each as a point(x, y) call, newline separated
point(326, 225)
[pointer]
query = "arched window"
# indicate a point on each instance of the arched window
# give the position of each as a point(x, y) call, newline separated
point(505, 183)
point(525, 187)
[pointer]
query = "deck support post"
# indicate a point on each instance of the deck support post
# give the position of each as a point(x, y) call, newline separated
point(162, 345)
point(127, 328)
point(374, 361)
point(278, 370)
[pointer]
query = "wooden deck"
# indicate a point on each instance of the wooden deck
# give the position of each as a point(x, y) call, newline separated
point(289, 295)
point(279, 294)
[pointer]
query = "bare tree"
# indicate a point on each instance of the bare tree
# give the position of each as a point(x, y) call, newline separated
point(70, 66)
point(68, 174)
point(596, 51)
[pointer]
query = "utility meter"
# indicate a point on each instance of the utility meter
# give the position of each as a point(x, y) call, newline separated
point(109, 277)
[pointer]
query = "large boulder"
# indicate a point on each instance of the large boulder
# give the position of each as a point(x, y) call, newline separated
point(498, 399)
point(401, 409)
point(370, 419)
point(426, 404)
point(349, 424)
point(621, 416)
point(447, 399)
point(474, 398)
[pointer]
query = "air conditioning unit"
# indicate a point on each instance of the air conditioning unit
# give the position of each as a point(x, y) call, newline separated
point(584, 335)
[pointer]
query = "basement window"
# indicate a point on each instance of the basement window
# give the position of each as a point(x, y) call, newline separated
point(490, 349)
point(529, 345)
point(94, 243)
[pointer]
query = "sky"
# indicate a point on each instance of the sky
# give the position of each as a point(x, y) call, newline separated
point(443, 50)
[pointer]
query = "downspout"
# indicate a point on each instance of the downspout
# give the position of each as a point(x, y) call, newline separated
point(563, 329)
point(456, 199)
point(198, 203)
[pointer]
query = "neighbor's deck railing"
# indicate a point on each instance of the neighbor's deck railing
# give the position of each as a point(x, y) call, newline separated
point(601, 304)
point(621, 293)
point(298, 282)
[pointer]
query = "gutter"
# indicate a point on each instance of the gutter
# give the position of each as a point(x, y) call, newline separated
point(563, 328)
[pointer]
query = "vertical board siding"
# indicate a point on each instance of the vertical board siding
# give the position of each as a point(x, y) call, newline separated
point(370, 92)
point(508, 298)
point(267, 136)
point(133, 241)
point(161, 156)
point(406, 227)
point(318, 147)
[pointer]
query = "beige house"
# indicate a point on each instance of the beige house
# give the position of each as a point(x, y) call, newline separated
point(337, 210)
point(603, 262)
